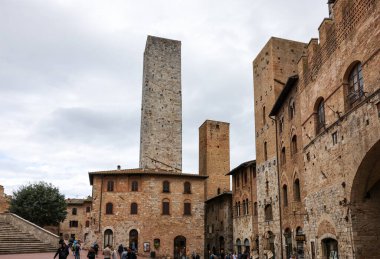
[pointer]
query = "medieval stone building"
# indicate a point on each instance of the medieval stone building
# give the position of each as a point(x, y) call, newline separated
point(78, 218)
point(317, 109)
point(245, 214)
point(4, 200)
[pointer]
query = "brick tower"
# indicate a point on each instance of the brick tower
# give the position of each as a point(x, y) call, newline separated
point(161, 111)
point(271, 68)
point(214, 156)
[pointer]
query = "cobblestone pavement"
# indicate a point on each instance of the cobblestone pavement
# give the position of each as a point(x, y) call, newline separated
point(45, 256)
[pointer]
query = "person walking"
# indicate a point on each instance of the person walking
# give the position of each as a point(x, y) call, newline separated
point(77, 250)
point(107, 252)
point(113, 253)
point(62, 251)
point(120, 250)
point(91, 253)
point(124, 254)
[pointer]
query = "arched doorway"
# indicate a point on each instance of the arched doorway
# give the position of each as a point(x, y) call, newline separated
point(179, 247)
point(364, 205)
point(134, 239)
point(108, 237)
point(300, 248)
point(288, 242)
point(329, 248)
point(221, 245)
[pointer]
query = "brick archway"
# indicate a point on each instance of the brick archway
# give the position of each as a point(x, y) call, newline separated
point(365, 209)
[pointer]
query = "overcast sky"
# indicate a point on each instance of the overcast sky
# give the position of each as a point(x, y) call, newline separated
point(71, 79)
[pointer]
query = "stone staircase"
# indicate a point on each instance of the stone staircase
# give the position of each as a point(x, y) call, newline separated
point(15, 241)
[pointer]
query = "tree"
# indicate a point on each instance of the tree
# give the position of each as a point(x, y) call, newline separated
point(40, 203)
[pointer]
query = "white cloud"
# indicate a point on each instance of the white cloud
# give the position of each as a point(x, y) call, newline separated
point(71, 71)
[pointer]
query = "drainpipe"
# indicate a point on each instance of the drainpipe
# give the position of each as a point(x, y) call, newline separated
point(100, 203)
point(279, 185)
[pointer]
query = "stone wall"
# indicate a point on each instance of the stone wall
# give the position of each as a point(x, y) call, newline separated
point(219, 227)
point(161, 111)
point(271, 68)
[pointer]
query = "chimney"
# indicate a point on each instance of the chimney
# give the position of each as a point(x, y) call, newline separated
point(330, 4)
point(118, 167)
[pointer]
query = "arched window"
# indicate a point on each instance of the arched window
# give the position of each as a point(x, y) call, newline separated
point(186, 187)
point(355, 84)
point(238, 209)
point(285, 194)
point(320, 119)
point(294, 145)
point(110, 186)
point(218, 191)
point(246, 244)
point(109, 208)
point(134, 208)
point(187, 208)
point(297, 190)
point(165, 207)
point(135, 186)
point(283, 156)
point(244, 207)
point(265, 151)
point(247, 207)
point(74, 211)
point(268, 212)
point(238, 245)
point(292, 107)
point(166, 186)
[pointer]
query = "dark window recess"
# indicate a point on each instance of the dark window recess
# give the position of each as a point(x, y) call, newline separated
point(268, 212)
point(109, 208)
point(87, 223)
point(355, 84)
point(187, 208)
point(378, 109)
point(74, 211)
point(285, 194)
point(135, 186)
point(334, 137)
point(110, 186)
point(165, 208)
point(186, 187)
point(133, 208)
point(297, 190)
point(165, 186)
point(73, 223)
point(88, 209)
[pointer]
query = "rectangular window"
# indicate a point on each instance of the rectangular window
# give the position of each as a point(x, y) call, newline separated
point(165, 208)
point(73, 223)
point(110, 186)
point(187, 208)
point(312, 250)
point(378, 109)
point(87, 223)
point(88, 209)
point(74, 211)
point(334, 137)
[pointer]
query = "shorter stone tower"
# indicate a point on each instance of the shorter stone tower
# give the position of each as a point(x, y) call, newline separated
point(214, 156)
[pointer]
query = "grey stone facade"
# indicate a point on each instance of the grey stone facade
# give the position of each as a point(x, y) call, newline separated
point(161, 111)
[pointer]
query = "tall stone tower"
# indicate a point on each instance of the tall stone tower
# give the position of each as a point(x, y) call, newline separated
point(271, 69)
point(161, 111)
point(214, 156)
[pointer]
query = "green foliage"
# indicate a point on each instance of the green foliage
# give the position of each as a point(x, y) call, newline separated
point(40, 203)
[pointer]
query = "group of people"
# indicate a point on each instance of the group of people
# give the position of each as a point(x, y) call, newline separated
point(108, 252)
point(64, 249)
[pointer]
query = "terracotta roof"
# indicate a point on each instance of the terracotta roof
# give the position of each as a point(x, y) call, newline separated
point(243, 165)
point(70, 201)
point(229, 193)
point(141, 171)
